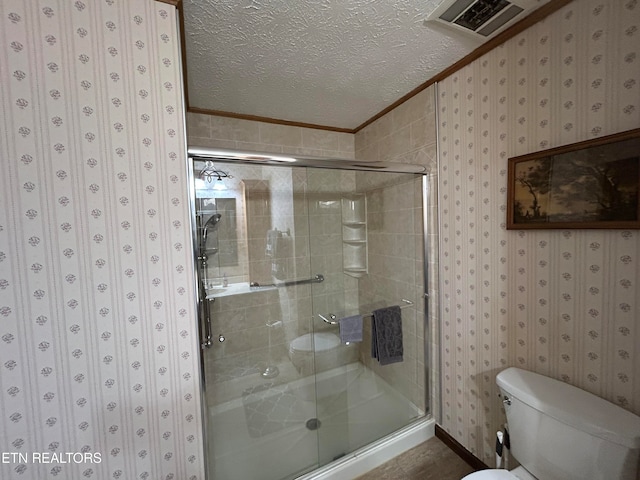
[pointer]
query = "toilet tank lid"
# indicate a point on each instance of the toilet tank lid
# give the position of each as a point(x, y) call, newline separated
point(572, 406)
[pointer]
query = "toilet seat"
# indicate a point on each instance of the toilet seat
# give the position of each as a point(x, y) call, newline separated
point(491, 474)
point(322, 341)
point(321, 351)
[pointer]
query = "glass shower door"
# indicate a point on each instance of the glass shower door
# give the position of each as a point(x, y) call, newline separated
point(283, 254)
point(366, 235)
point(253, 247)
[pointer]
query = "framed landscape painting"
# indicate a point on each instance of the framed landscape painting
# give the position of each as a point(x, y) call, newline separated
point(590, 184)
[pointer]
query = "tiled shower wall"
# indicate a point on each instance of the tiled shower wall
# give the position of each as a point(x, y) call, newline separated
point(562, 303)
point(303, 204)
point(300, 202)
point(394, 221)
point(404, 135)
point(96, 300)
point(222, 132)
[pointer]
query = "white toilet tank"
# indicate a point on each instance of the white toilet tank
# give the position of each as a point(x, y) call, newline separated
point(560, 432)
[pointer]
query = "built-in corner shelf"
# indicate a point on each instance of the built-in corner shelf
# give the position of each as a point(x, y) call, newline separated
point(355, 258)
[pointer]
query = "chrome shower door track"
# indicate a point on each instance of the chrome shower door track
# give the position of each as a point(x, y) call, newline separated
point(259, 158)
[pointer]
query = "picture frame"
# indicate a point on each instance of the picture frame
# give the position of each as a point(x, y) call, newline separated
point(589, 184)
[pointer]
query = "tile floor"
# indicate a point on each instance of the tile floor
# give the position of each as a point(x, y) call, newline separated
point(431, 460)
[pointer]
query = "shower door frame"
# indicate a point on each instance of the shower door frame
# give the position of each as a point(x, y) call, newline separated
point(195, 153)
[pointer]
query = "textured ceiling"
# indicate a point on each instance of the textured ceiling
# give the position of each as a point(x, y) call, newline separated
point(327, 62)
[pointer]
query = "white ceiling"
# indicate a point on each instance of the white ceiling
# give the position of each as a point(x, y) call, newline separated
point(335, 63)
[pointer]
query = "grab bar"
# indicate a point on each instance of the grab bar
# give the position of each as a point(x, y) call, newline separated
point(332, 317)
point(319, 278)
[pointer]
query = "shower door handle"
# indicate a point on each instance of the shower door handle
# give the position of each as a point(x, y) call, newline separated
point(207, 342)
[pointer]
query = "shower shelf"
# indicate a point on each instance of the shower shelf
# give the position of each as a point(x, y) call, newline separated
point(353, 272)
point(354, 235)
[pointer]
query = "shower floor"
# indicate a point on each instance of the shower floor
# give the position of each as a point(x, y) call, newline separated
point(276, 432)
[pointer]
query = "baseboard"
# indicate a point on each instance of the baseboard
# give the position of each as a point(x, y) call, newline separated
point(457, 447)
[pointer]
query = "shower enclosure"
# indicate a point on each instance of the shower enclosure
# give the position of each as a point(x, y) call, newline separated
point(287, 248)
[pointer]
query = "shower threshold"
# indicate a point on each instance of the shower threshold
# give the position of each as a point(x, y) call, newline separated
point(376, 453)
point(264, 434)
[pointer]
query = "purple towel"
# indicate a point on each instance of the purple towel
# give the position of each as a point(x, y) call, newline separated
point(386, 335)
point(351, 329)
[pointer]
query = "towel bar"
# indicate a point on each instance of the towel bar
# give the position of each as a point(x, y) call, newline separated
point(333, 318)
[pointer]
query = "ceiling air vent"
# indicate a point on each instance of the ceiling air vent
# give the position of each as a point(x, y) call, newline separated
point(483, 18)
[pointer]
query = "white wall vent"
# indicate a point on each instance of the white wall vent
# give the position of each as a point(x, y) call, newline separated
point(484, 18)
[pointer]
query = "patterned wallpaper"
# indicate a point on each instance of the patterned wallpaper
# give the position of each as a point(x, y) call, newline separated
point(98, 357)
point(561, 303)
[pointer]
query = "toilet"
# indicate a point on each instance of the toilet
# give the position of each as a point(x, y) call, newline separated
point(560, 432)
point(319, 351)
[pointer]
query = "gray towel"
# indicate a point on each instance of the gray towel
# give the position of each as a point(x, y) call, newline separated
point(351, 329)
point(386, 335)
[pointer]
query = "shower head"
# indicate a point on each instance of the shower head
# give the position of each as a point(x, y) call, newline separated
point(211, 223)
